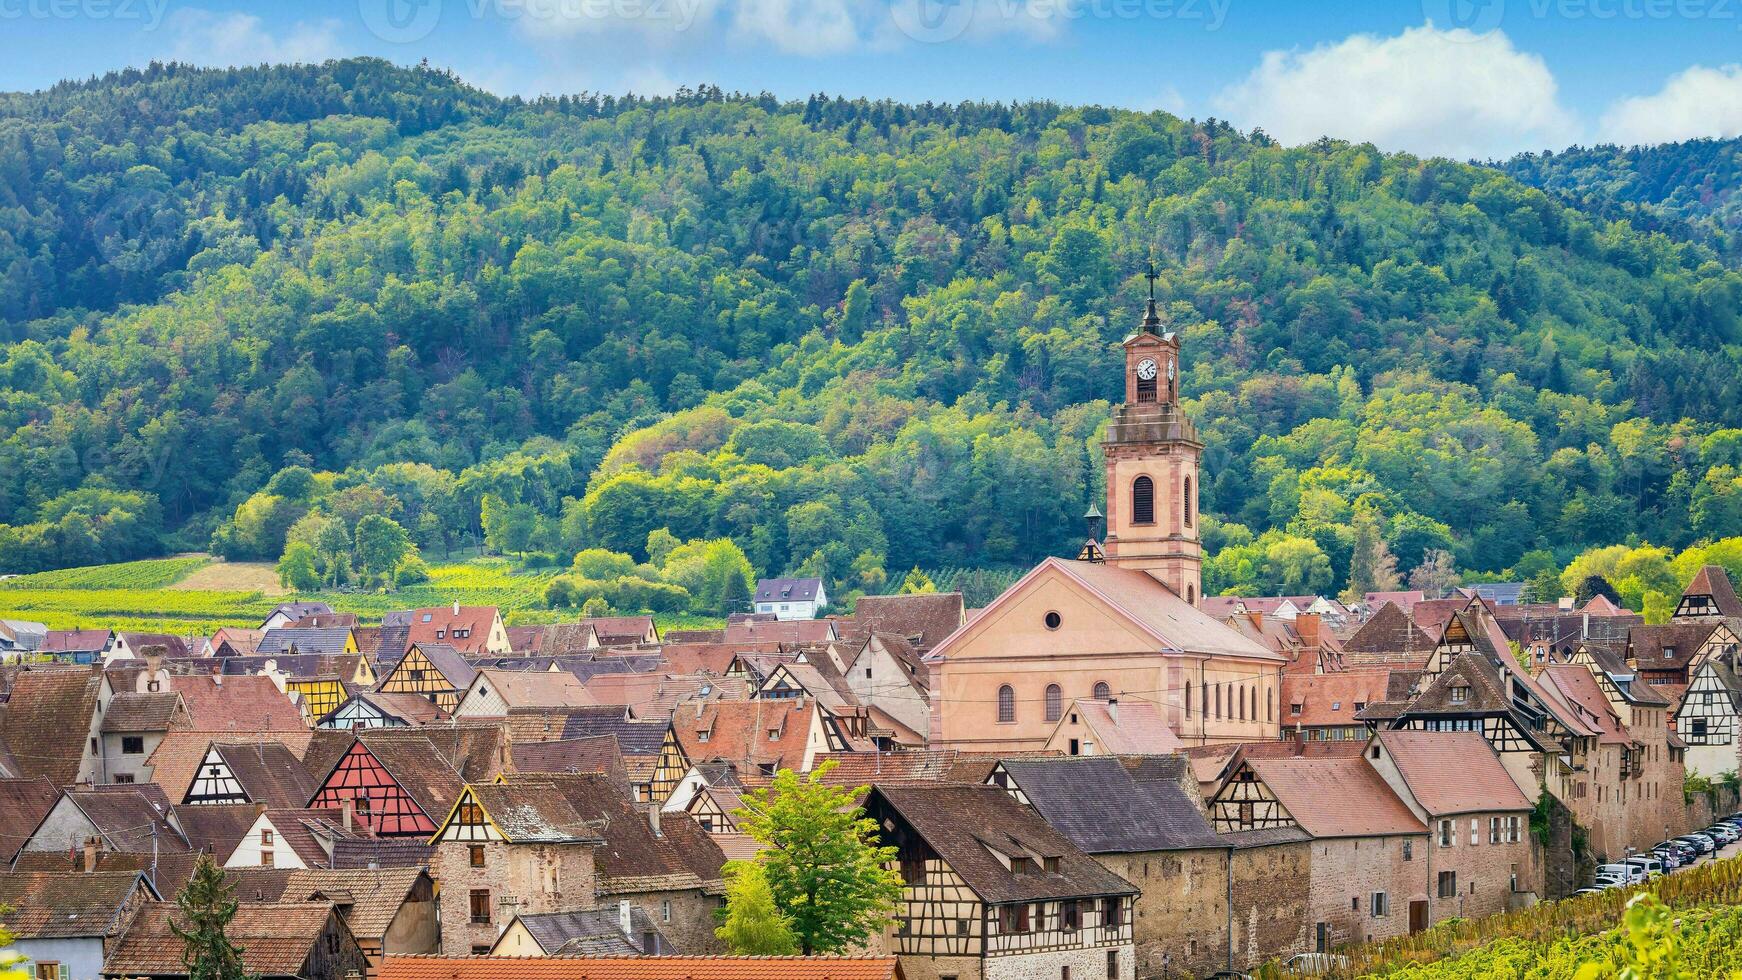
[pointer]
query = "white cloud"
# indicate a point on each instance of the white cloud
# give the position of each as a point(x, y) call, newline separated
point(206, 37)
point(1428, 91)
point(805, 27)
point(1168, 100)
point(1698, 102)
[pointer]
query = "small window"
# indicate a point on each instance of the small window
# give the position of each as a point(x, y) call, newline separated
point(1069, 917)
point(1006, 704)
point(266, 838)
point(1052, 620)
point(1104, 692)
point(1112, 964)
point(266, 859)
point(1186, 501)
point(1409, 850)
point(1113, 912)
point(1054, 702)
point(1379, 905)
point(133, 744)
point(1460, 695)
point(1448, 884)
point(480, 900)
point(665, 910)
point(1143, 500)
point(477, 855)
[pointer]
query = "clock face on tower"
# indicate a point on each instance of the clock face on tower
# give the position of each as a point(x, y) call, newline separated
point(1146, 369)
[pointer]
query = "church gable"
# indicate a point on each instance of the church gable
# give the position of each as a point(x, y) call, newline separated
point(1046, 613)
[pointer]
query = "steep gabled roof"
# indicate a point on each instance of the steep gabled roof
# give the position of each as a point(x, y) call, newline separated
point(970, 826)
point(1450, 773)
point(312, 639)
point(1390, 635)
point(269, 772)
point(533, 689)
point(1669, 646)
point(1127, 727)
point(247, 703)
point(1095, 801)
point(375, 895)
point(276, 939)
point(129, 817)
point(23, 804)
point(928, 617)
point(1336, 796)
point(131, 711)
point(682, 855)
point(1714, 581)
point(46, 720)
point(639, 968)
point(68, 904)
point(527, 810)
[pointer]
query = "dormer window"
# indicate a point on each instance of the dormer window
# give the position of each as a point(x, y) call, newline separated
point(1050, 865)
point(1460, 694)
point(1019, 865)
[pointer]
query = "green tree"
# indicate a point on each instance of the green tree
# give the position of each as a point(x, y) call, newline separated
point(822, 860)
point(296, 568)
point(381, 545)
point(1372, 567)
point(205, 907)
point(595, 607)
point(508, 528)
point(1436, 575)
point(752, 926)
point(917, 581)
point(11, 960)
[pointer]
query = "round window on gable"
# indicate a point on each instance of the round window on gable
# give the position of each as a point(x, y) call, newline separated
point(1053, 620)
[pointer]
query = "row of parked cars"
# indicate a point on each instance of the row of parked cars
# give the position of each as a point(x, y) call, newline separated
point(1675, 853)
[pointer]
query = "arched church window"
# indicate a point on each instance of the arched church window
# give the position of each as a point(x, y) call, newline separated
point(1191, 595)
point(1054, 702)
point(1006, 703)
point(1188, 699)
point(1103, 692)
point(1143, 500)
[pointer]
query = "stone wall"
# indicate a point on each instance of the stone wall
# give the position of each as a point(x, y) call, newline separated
point(1347, 871)
point(1181, 917)
point(1270, 902)
point(1485, 871)
point(684, 915)
point(519, 878)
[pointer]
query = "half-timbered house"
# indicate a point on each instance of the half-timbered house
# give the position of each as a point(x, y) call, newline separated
point(991, 890)
point(257, 772)
point(1707, 718)
point(436, 671)
point(401, 782)
point(1669, 653)
point(382, 709)
point(1709, 595)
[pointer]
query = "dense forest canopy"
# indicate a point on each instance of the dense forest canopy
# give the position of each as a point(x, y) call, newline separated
point(851, 337)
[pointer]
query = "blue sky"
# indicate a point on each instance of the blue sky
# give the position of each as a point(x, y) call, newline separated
point(1456, 77)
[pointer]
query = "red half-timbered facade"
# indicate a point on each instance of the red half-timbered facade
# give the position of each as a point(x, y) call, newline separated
point(381, 803)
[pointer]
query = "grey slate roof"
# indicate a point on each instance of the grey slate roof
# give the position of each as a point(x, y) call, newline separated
point(788, 589)
point(312, 639)
point(590, 931)
point(634, 737)
point(1094, 801)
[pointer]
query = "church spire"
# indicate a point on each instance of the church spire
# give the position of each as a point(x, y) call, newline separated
point(1151, 318)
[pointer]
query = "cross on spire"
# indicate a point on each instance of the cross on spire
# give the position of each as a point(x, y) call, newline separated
point(1151, 318)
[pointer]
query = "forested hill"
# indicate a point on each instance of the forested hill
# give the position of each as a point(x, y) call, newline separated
point(1682, 188)
point(850, 336)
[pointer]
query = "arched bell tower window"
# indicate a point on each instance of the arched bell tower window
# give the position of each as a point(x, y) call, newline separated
point(1143, 500)
point(1188, 501)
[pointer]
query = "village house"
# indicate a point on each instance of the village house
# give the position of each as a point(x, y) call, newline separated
point(77, 646)
point(622, 929)
point(474, 631)
point(436, 671)
point(52, 725)
point(492, 692)
point(133, 726)
point(990, 891)
point(622, 631)
point(388, 911)
point(65, 922)
point(1112, 727)
point(791, 598)
point(291, 838)
point(1709, 595)
point(1706, 718)
point(382, 709)
point(1480, 858)
point(1152, 834)
point(1327, 707)
point(286, 613)
point(401, 782)
point(642, 968)
point(1365, 880)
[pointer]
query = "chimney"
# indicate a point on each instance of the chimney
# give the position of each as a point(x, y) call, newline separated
point(1256, 617)
point(653, 820)
point(456, 607)
point(623, 922)
point(259, 809)
point(347, 812)
point(1306, 626)
point(90, 854)
point(1585, 627)
point(1113, 709)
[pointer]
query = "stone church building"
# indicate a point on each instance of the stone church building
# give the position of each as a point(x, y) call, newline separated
point(1121, 622)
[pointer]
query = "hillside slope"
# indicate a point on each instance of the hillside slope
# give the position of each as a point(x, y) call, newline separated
point(850, 336)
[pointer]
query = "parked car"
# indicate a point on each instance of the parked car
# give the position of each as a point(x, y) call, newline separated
point(1724, 832)
point(1704, 844)
point(1671, 860)
point(1621, 870)
point(1650, 865)
point(1686, 850)
point(1606, 882)
point(1589, 891)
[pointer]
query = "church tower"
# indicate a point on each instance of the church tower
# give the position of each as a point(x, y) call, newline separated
point(1152, 452)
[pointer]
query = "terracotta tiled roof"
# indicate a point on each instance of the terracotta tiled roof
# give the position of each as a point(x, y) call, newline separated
point(133, 712)
point(927, 618)
point(432, 764)
point(217, 703)
point(1127, 727)
point(1330, 699)
point(540, 689)
point(177, 758)
point(275, 938)
point(738, 731)
point(782, 631)
point(1450, 773)
point(889, 768)
point(965, 824)
point(375, 896)
point(270, 773)
point(299, 828)
point(594, 753)
point(700, 658)
point(382, 852)
point(1670, 646)
point(217, 830)
point(1577, 686)
point(23, 804)
point(67, 904)
point(308, 639)
point(75, 641)
point(570, 932)
point(1390, 635)
point(47, 719)
point(1336, 797)
point(129, 817)
point(1712, 580)
point(620, 630)
point(173, 646)
point(414, 709)
point(1404, 599)
point(638, 968)
point(474, 621)
point(683, 853)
